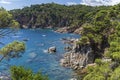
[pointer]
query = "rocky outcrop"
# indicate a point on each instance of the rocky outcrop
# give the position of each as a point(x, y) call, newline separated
point(78, 30)
point(62, 30)
point(78, 57)
point(52, 49)
point(68, 40)
point(67, 48)
point(66, 29)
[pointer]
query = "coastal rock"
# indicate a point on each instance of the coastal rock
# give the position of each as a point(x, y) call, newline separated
point(79, 30)
point(62, 30)
point(52, 49)
point(68, 40)
point(24, 26)
point(66, 29)
point(78, 57)
point(67, 48)
point(73, 79)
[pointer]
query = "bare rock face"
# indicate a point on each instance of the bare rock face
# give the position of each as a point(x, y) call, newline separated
point(78, 57)
point(62, 30)
point(79, 30)
point(52, 49)
point(66, 29)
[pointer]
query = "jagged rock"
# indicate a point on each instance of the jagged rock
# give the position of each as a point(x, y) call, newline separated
point(68, 40)
point(78, 30)
point(67, 48)
point(64, 62)
point(78, 57)
point(75, 67)
point(66, 29)
point(52, 49)
point(62, 30)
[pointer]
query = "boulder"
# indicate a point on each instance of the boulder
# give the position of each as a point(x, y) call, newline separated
point(52, 49)
point(73, 79)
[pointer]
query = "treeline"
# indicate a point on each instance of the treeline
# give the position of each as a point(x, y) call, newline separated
point(55, 15)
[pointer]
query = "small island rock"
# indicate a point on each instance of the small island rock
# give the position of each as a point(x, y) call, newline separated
point(52, 49)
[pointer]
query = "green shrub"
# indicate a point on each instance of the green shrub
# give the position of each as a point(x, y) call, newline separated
point(20, 73)
point(98, 61)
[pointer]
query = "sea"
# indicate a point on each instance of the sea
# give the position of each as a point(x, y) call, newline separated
point(35, 56)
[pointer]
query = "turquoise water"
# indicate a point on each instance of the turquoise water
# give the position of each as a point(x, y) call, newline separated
point(35, 56)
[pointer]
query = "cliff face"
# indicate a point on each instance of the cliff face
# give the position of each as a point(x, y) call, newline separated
point(78, 57)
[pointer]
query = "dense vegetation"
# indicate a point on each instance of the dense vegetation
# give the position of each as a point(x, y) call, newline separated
point(102, 34)
point(20, 73)
point(6, 19)
point(55, 15)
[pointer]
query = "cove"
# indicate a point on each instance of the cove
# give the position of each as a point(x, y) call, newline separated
point(35, 57)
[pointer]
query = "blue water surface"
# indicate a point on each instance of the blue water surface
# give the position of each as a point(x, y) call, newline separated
point(35, 56)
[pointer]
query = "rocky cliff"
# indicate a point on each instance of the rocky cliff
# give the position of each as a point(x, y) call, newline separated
point(78, 57)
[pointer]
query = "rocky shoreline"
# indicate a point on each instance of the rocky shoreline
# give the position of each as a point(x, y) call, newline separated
point(78, 57)
point(75, 30)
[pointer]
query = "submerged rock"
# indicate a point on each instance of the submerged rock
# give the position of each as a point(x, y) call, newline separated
point(26, 39)
point(5, 78)
point(32, 55)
